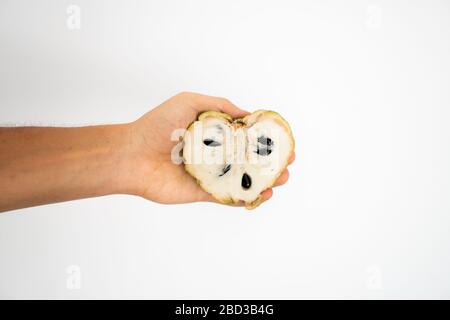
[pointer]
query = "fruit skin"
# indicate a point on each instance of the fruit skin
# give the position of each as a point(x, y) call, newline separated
point(240, 122)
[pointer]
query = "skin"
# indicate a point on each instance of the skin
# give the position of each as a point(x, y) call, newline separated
point(42, 165)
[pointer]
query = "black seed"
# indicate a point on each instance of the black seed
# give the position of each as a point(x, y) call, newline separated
point(265, 141)
point(246, 181)
point(263, 151)
point(225, 169)
point(211, 143)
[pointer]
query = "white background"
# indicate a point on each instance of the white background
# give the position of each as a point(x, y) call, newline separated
point(365, 86)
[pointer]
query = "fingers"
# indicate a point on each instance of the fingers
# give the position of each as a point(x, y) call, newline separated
point(267, 194)
point(282, 179)
point(205, 103)
point(291, 159)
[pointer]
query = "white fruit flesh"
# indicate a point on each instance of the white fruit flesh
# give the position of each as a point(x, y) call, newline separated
point(237, 160)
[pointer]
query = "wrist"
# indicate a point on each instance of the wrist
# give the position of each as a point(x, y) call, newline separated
point(123, 156)
point(133, 165)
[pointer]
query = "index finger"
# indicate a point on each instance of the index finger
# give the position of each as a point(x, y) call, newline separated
point(206, 103)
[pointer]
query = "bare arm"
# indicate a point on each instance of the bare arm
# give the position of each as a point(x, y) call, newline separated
point(41, 165)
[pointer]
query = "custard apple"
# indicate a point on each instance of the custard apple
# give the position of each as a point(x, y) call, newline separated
point(237, 159)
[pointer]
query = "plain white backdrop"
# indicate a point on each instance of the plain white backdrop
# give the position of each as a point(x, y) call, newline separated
point(364, 85)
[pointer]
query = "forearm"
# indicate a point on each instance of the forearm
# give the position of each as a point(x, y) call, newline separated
point(40, 165)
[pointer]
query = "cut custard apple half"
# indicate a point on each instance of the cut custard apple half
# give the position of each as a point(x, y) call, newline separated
point(237, 159)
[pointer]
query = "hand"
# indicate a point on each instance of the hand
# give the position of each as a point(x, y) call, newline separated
point(157, 178)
